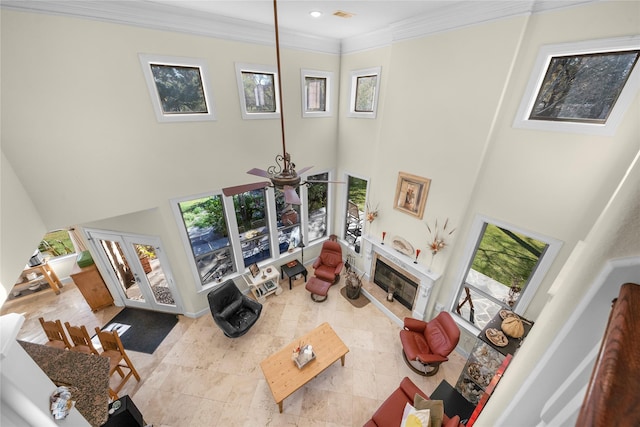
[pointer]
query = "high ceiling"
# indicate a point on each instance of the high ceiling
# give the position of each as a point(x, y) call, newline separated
point(368, 16)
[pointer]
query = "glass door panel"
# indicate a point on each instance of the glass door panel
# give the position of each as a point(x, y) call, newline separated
point(122, 270)
point(154, 274)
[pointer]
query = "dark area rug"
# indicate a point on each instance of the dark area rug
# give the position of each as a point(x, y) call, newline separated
point(146, 329)
point(359, 302)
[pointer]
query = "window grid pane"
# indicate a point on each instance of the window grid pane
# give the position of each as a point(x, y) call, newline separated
point(583, 88)
point(251, 215)
point(316, 93)
point(206, 227)
point(365, 93)
point(180, 89)
point(317, 200)
point(259, 92)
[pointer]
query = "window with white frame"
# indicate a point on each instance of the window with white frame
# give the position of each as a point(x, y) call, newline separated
point(503, 267)
point(224, 235)
point(365, 87)
point(258, 90)
point(253, 225)
point(356, 200)
point(317, 206)
point(316, 93)
point(582, 87)
point(179, 88)
point(205, 226)
point(289, 232)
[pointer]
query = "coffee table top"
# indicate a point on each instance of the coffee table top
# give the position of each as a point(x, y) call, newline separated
point(282, 374)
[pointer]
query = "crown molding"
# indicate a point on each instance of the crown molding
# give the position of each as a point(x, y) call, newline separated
point(158, 16)
point(165, 17)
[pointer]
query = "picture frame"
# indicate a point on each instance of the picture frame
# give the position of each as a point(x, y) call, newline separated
point(411, 194)
point(254, 269)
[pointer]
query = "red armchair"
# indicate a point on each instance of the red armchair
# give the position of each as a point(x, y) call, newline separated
point(389, 414)
point(329, 264)
point(425, 345)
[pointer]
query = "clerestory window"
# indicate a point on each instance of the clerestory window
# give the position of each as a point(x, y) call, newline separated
point(581, 87)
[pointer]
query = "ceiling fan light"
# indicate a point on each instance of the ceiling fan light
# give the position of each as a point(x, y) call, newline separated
point(315, 14)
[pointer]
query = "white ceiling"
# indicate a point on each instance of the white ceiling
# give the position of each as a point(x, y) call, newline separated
point(368, 15)
point(374, 22)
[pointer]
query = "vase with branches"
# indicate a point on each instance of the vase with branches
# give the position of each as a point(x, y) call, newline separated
point(437, 238)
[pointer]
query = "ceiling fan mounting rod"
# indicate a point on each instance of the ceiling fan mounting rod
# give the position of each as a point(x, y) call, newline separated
point(285, 156)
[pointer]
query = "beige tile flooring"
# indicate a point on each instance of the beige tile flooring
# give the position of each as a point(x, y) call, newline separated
point(198, 377)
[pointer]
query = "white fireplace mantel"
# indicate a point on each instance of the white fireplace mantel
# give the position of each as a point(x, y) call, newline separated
point(426, 277)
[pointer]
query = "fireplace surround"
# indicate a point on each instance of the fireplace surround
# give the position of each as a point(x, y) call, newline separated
point(403, 266)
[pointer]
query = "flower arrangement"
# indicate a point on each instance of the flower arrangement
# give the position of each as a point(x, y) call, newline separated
point(372, 213)
point(437, 237)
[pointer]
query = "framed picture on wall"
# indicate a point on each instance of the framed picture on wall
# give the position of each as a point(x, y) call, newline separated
point(411, 194)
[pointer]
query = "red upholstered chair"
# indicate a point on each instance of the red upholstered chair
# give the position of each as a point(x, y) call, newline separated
point(329, 264)
point(425, 345)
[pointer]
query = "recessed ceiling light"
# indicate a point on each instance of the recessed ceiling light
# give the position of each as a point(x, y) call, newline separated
point(315, 13)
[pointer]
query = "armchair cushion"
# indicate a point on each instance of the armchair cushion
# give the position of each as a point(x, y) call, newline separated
point(329, 263)
point(232, 311)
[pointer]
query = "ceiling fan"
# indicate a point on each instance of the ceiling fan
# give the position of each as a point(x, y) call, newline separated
point(283, 175)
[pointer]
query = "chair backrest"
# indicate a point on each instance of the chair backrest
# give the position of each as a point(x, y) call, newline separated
point(110, 341)
point(442, 334)
point(223, 296)
point(54, 331)
point(331, 253)
point(80, 339)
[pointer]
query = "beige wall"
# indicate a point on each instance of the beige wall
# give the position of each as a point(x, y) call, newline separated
point(81, 115)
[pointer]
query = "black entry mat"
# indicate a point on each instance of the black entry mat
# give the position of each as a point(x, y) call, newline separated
point(143, 330)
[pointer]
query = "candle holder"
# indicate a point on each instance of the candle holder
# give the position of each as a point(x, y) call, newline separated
point(417, 255)
point(384, 233)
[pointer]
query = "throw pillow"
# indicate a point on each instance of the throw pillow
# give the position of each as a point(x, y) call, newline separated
point(436, 407)
point(411, 417)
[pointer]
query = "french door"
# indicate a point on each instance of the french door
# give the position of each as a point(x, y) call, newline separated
point(138, 270)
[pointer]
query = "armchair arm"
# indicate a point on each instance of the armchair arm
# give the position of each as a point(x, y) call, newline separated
point(252, 305)
point(415, 325)
point(317, 262)
point(339, 268)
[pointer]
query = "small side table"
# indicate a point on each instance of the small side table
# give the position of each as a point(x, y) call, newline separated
point(264, 284)
point(292, 269)
point(454, 402)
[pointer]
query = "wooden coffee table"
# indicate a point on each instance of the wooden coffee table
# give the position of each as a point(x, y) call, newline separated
point(283, 375)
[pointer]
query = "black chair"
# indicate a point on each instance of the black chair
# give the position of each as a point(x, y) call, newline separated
point(232, 311)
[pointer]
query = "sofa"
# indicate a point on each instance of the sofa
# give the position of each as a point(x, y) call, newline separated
point(389, 414)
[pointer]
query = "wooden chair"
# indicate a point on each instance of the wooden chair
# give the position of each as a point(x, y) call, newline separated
point(55, 334)
point(80, 339)
point(118, 359)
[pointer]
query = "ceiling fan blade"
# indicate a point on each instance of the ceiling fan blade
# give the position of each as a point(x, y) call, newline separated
point(290, 195)
point(303, 170)
point(259, 172)
point(232, 191)
point(313, 181)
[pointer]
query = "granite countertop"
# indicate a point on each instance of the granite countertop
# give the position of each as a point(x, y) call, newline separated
point(86, 375)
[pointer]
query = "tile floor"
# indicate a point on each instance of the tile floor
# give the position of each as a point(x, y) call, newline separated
point(198, 377)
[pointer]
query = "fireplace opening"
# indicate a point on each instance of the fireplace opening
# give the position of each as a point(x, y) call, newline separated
point(389, 279)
